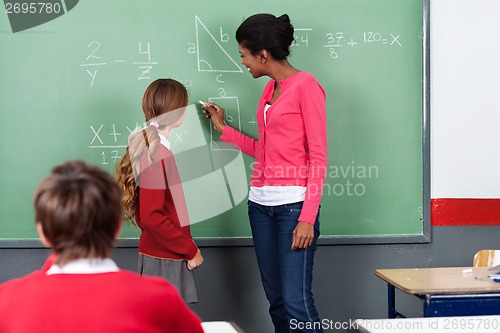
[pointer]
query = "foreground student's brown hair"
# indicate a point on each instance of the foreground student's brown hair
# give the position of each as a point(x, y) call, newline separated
point(78, 209)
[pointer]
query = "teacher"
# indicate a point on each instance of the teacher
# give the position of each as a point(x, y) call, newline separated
point(289, 170)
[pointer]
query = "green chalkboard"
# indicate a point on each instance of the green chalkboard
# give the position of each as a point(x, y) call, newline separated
point(71, 88)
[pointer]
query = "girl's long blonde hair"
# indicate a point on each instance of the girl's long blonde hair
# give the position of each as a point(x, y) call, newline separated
point(161, 96)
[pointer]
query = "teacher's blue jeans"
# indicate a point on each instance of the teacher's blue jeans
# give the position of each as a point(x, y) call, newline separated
point(286, 274)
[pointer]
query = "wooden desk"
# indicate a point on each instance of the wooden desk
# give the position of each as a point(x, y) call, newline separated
point(452, 291)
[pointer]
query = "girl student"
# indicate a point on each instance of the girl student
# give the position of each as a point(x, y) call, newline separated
point(283, 207)
point(152, 193)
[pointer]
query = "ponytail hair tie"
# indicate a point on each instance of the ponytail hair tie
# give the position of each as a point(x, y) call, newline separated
point(154, 124)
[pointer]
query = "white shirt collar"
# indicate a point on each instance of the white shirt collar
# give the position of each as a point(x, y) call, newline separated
point(164, 141)
point(85, 266)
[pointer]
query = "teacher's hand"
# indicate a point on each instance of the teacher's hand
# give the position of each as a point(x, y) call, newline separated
point(303, 236)
point(216, 113)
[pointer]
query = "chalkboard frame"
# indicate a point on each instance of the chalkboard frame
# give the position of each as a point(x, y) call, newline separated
point(424, 237)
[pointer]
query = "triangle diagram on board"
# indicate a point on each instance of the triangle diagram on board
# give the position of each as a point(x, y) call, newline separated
point(212, 57)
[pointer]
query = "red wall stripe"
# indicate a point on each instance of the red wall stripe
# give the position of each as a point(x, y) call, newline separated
point(465, 212)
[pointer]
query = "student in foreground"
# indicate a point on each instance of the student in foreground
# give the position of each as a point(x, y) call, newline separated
point(78, 214)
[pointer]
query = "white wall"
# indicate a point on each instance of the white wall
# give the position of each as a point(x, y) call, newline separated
point(465, 98)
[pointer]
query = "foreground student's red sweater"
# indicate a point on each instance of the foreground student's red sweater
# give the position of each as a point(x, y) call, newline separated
point(121, 302)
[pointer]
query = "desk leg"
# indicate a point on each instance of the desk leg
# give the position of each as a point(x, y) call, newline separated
point(391, 301)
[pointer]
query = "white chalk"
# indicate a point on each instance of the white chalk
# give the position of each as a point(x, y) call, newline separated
point(201, 102)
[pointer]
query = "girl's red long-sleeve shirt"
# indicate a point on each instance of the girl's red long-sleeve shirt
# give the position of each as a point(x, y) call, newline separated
point(161, 211)
point(121, 302)
point(291, 149)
